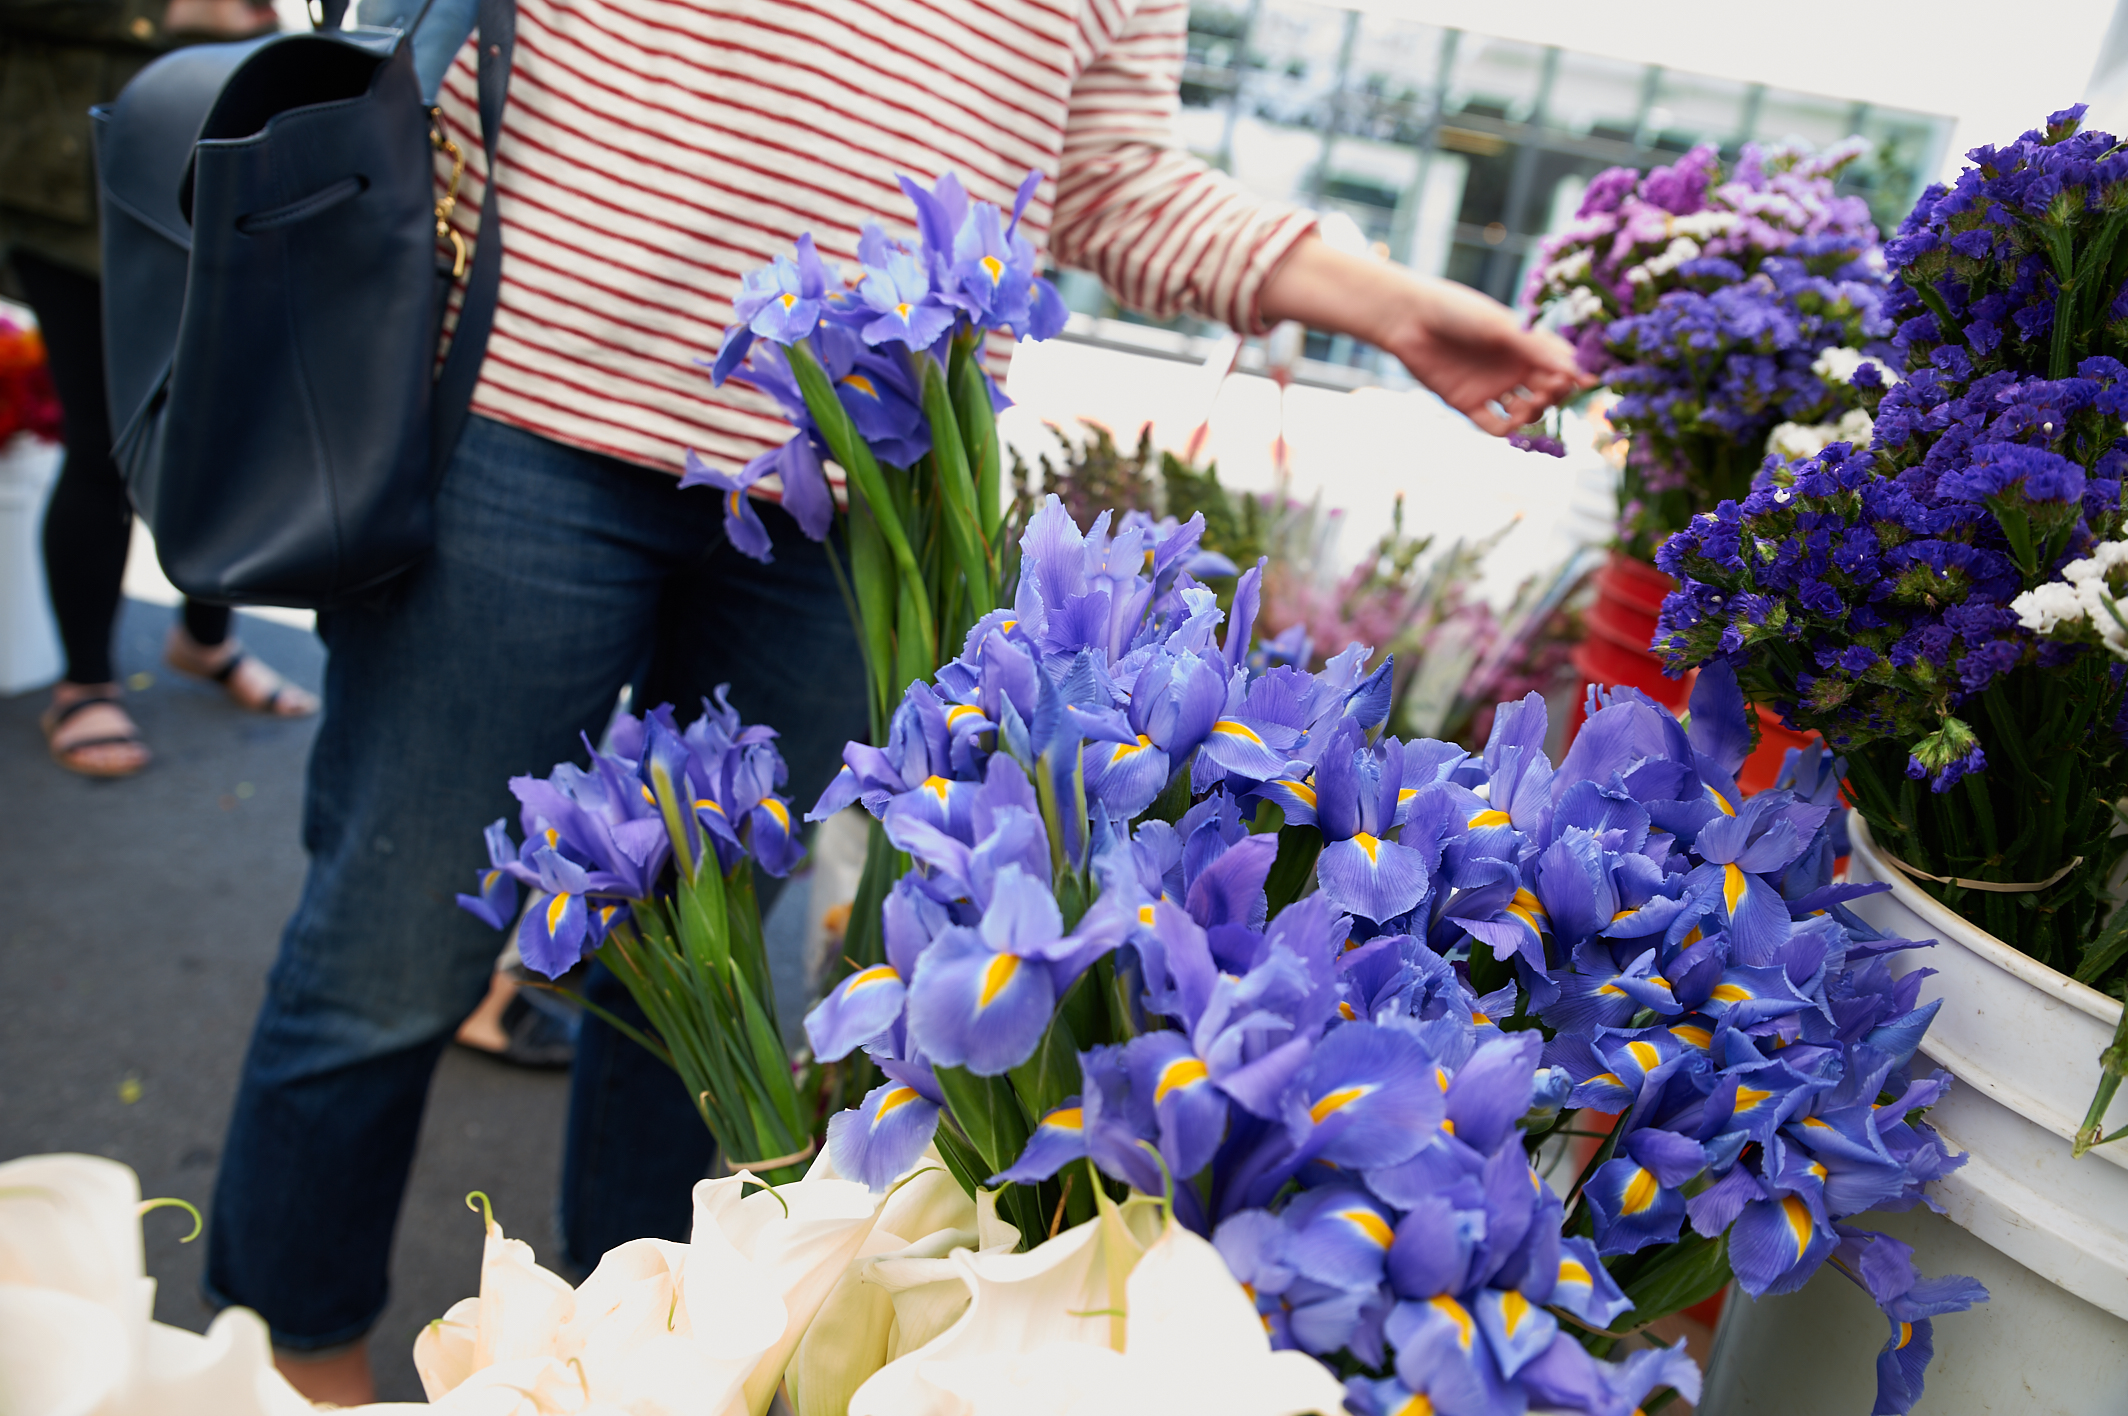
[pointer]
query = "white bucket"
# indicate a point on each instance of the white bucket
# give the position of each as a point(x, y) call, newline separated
point(29, 639)
point(2048, 1235)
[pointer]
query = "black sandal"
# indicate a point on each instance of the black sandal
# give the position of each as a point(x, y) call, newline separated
point(56, 717)
point(271, 707)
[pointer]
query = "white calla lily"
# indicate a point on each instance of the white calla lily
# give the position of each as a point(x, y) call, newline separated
point(1067, 1292)
point(1194, 1343)
point(703, 1328)
point(77, 1333)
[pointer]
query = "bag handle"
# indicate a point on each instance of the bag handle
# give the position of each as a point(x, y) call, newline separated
point(452, 399)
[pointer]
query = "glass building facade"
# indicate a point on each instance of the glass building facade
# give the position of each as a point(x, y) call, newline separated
point(1455, 152)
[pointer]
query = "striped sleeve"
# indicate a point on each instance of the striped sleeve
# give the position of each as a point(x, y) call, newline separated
point(1163, 230)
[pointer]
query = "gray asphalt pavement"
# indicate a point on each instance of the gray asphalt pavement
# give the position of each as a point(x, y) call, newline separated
point(143, 916)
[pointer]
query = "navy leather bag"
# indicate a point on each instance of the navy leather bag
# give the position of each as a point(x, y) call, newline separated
point(275, 268)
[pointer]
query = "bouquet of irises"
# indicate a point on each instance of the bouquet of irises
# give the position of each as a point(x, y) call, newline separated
point(646, 859)
point(1710, 301)
point(1183, 921)
point(1933, 601)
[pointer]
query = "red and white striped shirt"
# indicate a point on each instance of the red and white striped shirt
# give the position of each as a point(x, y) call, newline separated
point(655, 150)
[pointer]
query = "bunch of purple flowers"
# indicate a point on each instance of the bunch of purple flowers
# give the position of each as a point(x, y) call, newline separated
point(1706, 302)
point(646, 859)
point(1867, 593)
point(1107, 953)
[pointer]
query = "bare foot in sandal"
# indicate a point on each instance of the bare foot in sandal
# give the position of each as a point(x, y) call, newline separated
point(87, 732)
point(249, 682)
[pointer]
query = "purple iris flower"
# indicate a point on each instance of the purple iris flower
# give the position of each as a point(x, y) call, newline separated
point(1362, 871)
point(497, 901)
point(897, 290)
point(742, 524)
point(781, 301)
point(870, 1001)
point(557, 930)
point(880, 1139)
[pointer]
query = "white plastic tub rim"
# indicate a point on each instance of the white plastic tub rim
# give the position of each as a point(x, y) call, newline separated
point(2021, 1042)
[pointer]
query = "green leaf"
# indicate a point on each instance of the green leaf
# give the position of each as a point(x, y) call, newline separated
point(957, 491)
point(1298, 846)
point(2103, 952)
point(872, 577)
point(989, 1114)
point(1052, 1073)
point(1690, 1271)
point(979, 436)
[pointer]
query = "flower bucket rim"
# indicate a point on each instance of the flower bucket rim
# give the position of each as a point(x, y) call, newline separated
point(1972, 937)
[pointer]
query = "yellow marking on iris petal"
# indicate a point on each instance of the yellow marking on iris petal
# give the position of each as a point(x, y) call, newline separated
point(1799, 1222)
point(959, 711)
point(1145, 915)
point(778, 810)
point(1611, 1077)
point(1367, 1222)
point(1344, 1010)
point(1479, 1018)
point(1420, 1405)
point(1690, 939)
point(1489, 817)
point(731, 503)
point(788, 299)
point(1623, 914)
point(1405, 794)
point(1066, 1118)
point(555, 907)
point(705, 804)
point(1513, 1309)
point(1730, 993)
point(607, 912)
point(1125, 749)
point(1640, 1193)
point(1748, 1097)
point(487, 881)
point(993, 267)
point(862, 384)
point(996, 974)
point(901, 310)
point(646, 794)
point(1337, 1101)
point(1814, 1121)
point(553, 837)
point(1692, 1036)
point(877, 974)
point(1734, 884)
point(1529, 908)
point(1574, 1271)
point(1302, 790)
point(1369, 844)
point(1611, 988)
point(936, 785)
point(1646, 1054)
point(1721, 801)
point(1906, 1333)
point(1440, 1078)
point(1817, 1170)
point(1182, 1072)
point(900, 1096)
point(1459, 1315)
point(1230, 728)
point(1448, 1124)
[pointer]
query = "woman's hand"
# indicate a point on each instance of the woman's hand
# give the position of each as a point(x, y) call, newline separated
point(231, 19)
point(1467, 347)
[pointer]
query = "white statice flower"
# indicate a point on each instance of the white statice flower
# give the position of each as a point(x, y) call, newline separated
point(1793, 440)
point(2045, 608)
point(1581, 306)
point(1703, 226)
point(1838, 367)
point(1568, 269)
point(1680, 250)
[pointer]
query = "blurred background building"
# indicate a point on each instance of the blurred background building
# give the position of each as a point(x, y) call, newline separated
point(1455, 152)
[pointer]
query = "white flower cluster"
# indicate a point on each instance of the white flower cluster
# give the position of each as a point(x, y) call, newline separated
point(1793, 440)
point(2083, 596)
point(1568, 269)
point(1703, 225)
point(1680, 250)
point(1839, 366)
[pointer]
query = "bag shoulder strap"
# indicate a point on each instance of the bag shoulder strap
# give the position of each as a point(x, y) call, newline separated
point(452, 399)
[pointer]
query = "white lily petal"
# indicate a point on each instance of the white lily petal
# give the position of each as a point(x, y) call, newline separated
point(1061, 1292)
point(443, 1351)
point(227, 1372)
point(60, 1354)
point(803, 1235)
point(522, 1306)
point(71, 1223)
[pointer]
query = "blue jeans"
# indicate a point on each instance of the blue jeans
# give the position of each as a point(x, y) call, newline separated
point(558, 577)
